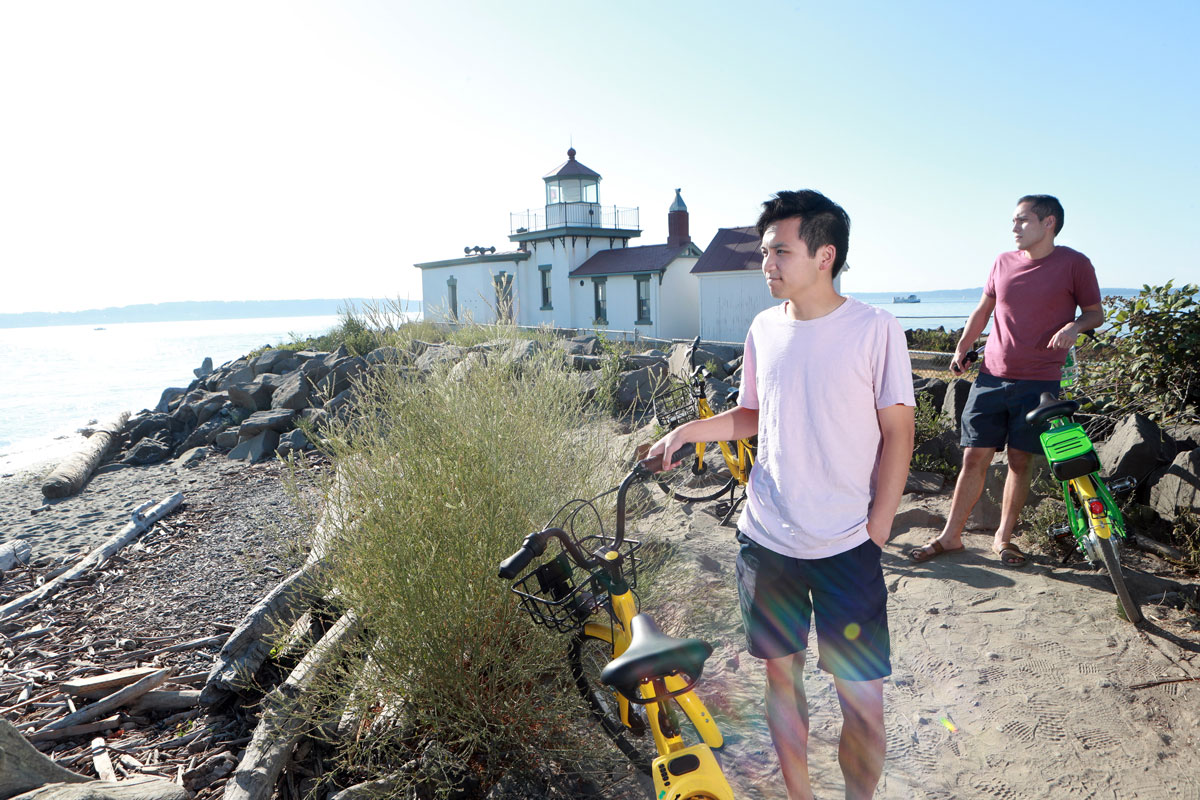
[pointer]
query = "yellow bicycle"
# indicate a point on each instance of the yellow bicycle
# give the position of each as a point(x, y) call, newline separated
point(634, 678)
point(709, 469)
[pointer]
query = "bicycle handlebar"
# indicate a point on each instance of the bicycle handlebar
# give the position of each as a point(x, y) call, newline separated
point(535, 543)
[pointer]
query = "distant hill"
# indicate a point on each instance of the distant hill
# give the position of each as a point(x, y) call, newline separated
point(188, 310)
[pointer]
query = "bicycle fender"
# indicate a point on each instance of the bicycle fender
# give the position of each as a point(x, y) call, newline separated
point(697, 712)
point(690, 772)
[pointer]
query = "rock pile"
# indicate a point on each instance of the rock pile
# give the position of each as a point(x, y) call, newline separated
point(251, 408)
point(1164, 464)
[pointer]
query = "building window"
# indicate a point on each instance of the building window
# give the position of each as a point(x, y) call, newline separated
point(545, 271)
point(452, 298)
point(643, 300)
point(600, 295)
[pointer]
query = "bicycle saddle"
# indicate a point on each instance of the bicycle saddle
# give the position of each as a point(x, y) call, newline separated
point(653, 654)
point(1050, 408)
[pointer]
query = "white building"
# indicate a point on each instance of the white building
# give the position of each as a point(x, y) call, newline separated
point(731, 285)
point(574, 268)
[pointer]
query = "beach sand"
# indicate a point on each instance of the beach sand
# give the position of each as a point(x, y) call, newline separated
point(1007, 683)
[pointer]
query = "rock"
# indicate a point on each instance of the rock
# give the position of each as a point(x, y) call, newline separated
point(291, 442)
point(278, 420)
point(956, 399)
point(932, 388)
point(272, 361)
point(986, 514)
point(719, 394)
point(205, 369)
point(210, 405)
point(341, 376)
point(256, 449)
point(337, 355)
point(192, 457)
point(183, 419)
point(341, 404)
point(149, 425)
point(147, 451)
point(470, 363)
point(438, 354)
point(206, 433)
point(914, 514)
point(1136, 449)
point(383, 355)
point(242, 372)
point(227, 439)
point(1178, 488)
point(519, 351)
point(581, 345)
point(924, 483)
point(1187, 437)
point(254, 396)
point(640, 360)
point(635, 388)
point(317, 418)
point(295, 392)
point(584, 363)
point(166, 402)
point(944, 446)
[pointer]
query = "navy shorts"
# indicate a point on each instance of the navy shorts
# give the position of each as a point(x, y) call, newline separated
point(779, 595)
point(995, 413)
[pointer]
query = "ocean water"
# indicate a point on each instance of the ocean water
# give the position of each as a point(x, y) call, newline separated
point(948, 315)
point(57, 379)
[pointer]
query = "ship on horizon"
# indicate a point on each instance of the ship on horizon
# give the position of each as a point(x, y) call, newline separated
point(912, 298)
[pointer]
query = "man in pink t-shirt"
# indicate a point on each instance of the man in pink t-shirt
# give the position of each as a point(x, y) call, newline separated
point(1033, 292)
point(827, 387)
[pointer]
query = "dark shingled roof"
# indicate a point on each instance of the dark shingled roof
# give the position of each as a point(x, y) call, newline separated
point(572, 169)
point(630, 260)
point(732, 249)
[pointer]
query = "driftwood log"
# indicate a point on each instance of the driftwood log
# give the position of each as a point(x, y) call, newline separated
point(14, 553)
point(96, 557)
point(113, 701)
point(23, 768)
point(284, 720)
point(133, 789)
point(74, 471)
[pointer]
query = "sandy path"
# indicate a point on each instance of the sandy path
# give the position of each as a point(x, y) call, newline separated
point(1007, 684)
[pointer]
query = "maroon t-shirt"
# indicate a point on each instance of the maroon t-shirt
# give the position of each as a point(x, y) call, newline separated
point(1034, 300)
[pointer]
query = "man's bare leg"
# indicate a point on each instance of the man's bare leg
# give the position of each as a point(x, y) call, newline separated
point(967, 490)
point(862, 746)
point(1016, 491)
point(787, 719)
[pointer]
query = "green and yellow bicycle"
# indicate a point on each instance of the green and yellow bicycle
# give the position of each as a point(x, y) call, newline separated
point(1094, 525)
point(709, 469)
point(634, 678)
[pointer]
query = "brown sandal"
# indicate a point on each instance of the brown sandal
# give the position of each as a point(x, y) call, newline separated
point(1011, 555)
point(921, 554)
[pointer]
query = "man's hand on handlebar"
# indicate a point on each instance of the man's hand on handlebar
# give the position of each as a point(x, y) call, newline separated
point(961, 361)
point(671, 443)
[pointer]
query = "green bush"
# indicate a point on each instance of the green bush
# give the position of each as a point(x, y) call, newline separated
point(443, 477)
point(936, 340)
point(1146, 362)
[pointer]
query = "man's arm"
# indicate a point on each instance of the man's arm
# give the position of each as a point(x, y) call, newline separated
point(1091, 318)
point(736, 423)
point(975, 325)
point(896, 426)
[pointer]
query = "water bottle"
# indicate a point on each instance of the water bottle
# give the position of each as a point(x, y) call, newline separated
point(1068, 372)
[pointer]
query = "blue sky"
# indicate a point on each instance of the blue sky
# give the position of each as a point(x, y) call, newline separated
point(230, 150)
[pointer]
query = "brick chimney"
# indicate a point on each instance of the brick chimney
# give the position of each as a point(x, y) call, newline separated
point(677, 223)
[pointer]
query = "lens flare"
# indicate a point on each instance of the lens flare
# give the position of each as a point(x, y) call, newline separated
point(852, 631)
point(950, 726)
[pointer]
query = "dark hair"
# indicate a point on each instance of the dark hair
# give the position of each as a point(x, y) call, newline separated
point(822, 221)
point(1043, 205)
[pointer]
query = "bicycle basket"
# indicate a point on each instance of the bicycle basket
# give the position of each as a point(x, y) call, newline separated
point(561, 596)
point(674, 405)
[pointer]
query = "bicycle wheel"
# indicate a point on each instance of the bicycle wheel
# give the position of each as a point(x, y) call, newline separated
point(588, 656)
point(695, 481)
point(1108, 551)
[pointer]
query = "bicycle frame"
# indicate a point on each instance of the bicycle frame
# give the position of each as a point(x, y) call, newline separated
point(739, 464)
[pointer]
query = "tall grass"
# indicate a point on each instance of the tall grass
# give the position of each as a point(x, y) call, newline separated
point(443, 477)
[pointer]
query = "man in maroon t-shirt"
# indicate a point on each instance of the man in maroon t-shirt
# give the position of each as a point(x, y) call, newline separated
point(1034, 292)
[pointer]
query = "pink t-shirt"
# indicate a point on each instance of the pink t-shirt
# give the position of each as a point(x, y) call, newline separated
point(1034, 299)
point(817, 385)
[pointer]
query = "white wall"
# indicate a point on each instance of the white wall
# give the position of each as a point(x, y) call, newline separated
point(678, 306)
point(729, 302)
point(476, 293)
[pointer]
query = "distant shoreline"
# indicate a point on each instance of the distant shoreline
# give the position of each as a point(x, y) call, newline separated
point(187, 311)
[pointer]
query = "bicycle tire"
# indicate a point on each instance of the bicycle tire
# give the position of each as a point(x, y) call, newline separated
point(588, 655)
point(1112, 563)
point(688, 484)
